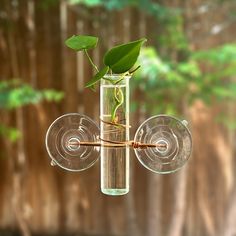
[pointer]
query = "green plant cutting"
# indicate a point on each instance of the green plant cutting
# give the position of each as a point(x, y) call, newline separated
point(119, 60)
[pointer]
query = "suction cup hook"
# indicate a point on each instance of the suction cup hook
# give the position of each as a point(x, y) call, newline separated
point(173, 139)
point(63, 142)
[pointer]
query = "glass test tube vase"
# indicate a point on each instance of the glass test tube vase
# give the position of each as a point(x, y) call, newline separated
point(114, 129)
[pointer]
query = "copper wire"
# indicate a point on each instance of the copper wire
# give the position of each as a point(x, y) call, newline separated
point(114, 144)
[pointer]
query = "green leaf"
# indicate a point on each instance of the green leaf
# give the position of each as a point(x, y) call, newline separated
point(81, 42)
point(122, 57)
point(97, 77)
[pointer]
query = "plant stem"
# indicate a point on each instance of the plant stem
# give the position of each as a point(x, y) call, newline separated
point(90, 60)
point(119, 99)
point(121, 78)
point(131, 72)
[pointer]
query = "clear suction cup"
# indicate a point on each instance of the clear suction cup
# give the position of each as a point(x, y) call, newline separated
point(173, 140)
point(63, 142)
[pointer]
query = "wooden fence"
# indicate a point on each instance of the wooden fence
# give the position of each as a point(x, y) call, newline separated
point(199, 200)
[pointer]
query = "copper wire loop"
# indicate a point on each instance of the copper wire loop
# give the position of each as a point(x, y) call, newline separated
point(135, 144)
point(113, 144)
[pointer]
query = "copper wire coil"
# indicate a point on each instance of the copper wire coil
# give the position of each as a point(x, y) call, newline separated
point(114, 144)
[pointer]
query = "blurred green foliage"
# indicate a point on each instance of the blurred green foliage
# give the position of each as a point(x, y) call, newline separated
point(218, 77)
point(15, 94)
point(206, 75)
point(11, 133)
point(173, 76)
point(161, 12)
